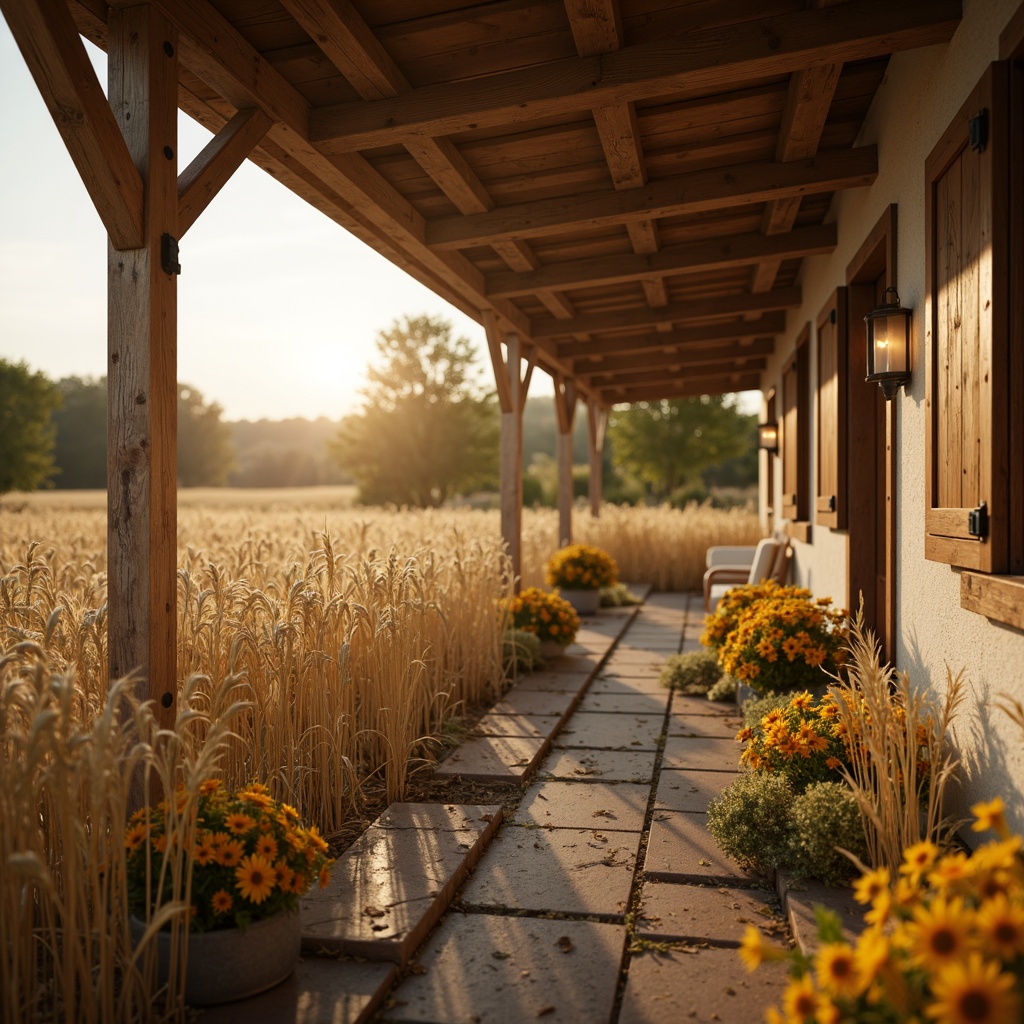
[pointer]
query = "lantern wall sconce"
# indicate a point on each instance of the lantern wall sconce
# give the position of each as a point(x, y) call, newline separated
point(768, 437)
point(888, 330)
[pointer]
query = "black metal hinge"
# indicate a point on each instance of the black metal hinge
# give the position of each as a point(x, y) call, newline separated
point(977, 521)
point(169, 254)
point(977, 131)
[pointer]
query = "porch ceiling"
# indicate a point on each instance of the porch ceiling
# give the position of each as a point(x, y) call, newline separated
point(630, 185)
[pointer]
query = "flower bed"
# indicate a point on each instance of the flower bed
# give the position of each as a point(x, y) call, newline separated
point(546, 615)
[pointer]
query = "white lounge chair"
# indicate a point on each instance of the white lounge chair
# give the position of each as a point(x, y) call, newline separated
point(729, 566)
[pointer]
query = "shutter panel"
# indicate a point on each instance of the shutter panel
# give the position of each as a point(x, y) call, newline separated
point(830, 446)
point(795, 433)
point(966, 320)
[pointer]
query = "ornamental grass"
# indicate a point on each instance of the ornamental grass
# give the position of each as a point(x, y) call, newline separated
point(944, 940)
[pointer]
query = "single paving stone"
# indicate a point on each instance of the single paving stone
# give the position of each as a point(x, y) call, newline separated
point(604, 806)
point(672, 912)
point(706, 986)
point(554, 682)
point(613, 682)
point(488, 969)
point(437, 817)
point(683, 704)
point(534, 702)
point(611, 732)
point(586, 663)
point(634, 702)
point(721, 726)
point(636, 657)
point(562, 870)
point(493, 758)
point(391, 887)
point(604, 765)
point(689, 791)
point(800, 899)
point(717, 754)
point(323, 990)
point(516, 725)
point(681, 849)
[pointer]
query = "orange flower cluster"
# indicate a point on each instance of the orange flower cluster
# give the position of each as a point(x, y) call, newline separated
point(736, 602)
point(944, 941)
point(785, 642)
point(250, 859)
point(549, 616)
point(803, 740)
point(581, 567)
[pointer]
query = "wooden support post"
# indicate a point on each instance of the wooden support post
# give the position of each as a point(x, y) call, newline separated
point(597, 424)
point(512, 451)
point(142, 366)
point(565, 407)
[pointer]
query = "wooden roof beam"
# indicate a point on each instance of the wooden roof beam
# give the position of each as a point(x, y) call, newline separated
point(683, 194)
point(691, 356)
point(56, 57)
point(675, 313)
point(721, 253)
point(705, 59)
point(706, 371)
point(769, 324)
point(682, 388)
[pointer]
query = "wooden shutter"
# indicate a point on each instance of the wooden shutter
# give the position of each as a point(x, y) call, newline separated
point(830, 447)
point(795, 433)
point(966, 313)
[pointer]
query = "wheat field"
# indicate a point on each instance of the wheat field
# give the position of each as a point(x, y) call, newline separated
point(320, 650)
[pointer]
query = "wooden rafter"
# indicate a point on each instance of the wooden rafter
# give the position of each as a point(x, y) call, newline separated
point(53, 50)
point(684, 387)
point(769, 324)
point(667, 374)
point(676, 313)
point(690, 356)
point(706, 254)
point(685, 194)
point(703, 59)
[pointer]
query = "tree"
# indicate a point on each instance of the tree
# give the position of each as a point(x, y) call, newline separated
point(81, 423)
point(668, 444)
point(428, 429)
point(206, 453)
point(27, 402)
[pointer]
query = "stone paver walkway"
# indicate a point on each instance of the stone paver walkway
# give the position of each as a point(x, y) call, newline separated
point(601, 899)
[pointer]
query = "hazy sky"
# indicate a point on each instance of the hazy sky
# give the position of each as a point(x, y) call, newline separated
point(278, 307)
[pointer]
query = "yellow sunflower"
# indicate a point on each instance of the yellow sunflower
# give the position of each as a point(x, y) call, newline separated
point(974, 992)
point(222, 902)
point(239, 823)
point(1001, 924)
point(836, 968)
point(939, 933)
point(800, 1001)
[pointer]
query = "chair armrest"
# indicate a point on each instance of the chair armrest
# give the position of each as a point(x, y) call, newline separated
point(724, 555)
point(723, 574)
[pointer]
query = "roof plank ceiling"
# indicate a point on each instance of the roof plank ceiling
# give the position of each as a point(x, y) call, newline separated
point(630, 185)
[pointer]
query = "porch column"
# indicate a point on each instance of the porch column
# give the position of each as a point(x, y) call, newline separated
point(142, 365)
point(565, 407)
point(512, 391)
point(597, 424)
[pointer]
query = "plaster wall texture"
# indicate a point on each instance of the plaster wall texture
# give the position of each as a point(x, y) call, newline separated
point(921, 93)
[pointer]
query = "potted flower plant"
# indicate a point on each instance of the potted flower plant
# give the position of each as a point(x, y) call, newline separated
point(579, 571)
point(247, 861)
point(549, 617)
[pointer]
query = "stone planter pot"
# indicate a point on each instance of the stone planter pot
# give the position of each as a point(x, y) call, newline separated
point(586, 602)
point(232, 964)
point(550, 649)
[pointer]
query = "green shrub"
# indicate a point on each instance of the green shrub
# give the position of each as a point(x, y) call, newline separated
point(750, 820)
point(618, 595)
point(520, 651)
point(724, 689)
point(694, 672)
point(823, 817)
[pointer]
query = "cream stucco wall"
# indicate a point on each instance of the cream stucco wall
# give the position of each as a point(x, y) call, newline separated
point(921, 92)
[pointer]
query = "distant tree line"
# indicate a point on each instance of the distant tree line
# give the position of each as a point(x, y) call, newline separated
point(427, 433)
